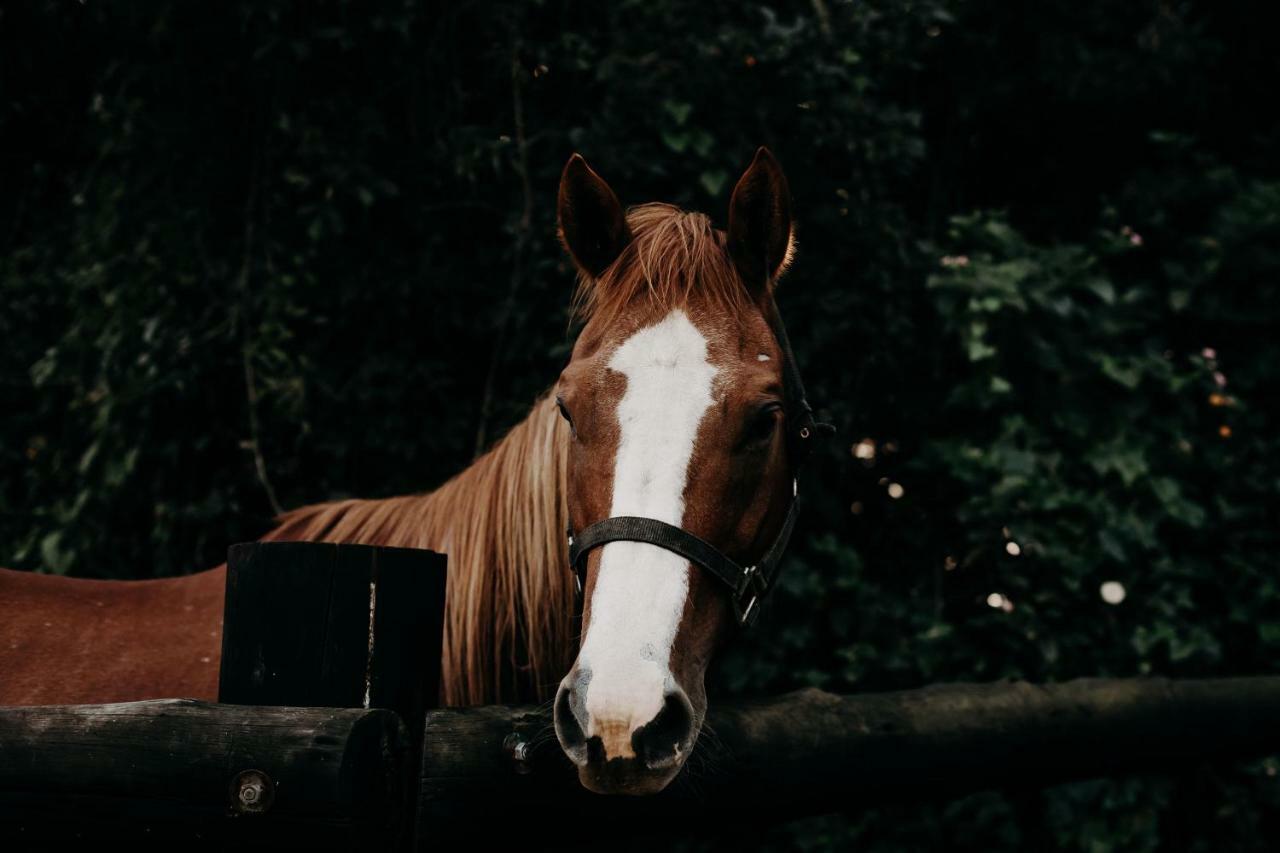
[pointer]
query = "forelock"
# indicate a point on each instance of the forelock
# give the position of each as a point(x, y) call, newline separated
point(675, 257)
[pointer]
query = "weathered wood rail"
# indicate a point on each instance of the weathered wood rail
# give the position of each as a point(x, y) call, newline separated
point(339, 778)
point(177, 769)
point(811, 752)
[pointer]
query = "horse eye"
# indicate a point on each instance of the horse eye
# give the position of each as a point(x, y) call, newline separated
point(763, 425)
point(564, 413)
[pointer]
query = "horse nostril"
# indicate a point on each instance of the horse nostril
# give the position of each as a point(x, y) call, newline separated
point(664, 741)
point(569, 725)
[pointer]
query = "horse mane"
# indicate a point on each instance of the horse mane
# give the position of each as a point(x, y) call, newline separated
point(674, 255)
point(508, 617)
point(508, 628)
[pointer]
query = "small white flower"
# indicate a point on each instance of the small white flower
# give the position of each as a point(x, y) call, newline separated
point(1112, 592)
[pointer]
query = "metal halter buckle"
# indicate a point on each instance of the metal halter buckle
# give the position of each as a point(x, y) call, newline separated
point(747, 615)
point(573, 570)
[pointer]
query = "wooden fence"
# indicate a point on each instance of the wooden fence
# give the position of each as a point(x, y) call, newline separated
point(326, 735)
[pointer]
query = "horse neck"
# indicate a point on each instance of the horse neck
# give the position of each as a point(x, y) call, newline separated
point(502, 523)
point(508, 615)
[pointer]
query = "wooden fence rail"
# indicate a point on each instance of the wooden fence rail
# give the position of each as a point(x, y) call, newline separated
point(337, 778)
point(343, 626)
point(178, 769)
point(812, 752)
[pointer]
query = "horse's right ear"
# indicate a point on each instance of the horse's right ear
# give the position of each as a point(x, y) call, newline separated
point(760, 239)
point(593, 226)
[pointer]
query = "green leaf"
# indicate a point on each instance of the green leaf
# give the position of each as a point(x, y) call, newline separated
point(713, 182)
point(1127, 373)
point(1269, 633)
point(702, 142)
point(678, 110)
point(42, 371)
point(979, 349)
point(676, 140)
point(1104, 289)
point(86, 458)
point(55, 558)
point(1111, 546)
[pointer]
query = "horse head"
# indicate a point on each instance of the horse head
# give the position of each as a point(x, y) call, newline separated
point(681, 415)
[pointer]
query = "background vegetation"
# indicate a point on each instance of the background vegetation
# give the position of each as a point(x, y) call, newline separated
point(261, 254)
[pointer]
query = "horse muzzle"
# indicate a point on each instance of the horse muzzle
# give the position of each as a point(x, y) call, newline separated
point(624, 748)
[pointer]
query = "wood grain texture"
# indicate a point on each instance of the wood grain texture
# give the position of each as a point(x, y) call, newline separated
point(167, 769)
point(811, 752)
point(325, 625)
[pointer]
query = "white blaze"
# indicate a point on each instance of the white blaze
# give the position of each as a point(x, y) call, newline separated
point(640, 589)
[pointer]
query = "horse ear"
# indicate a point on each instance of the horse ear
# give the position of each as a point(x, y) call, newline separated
point(593, 226)
point(760, 223)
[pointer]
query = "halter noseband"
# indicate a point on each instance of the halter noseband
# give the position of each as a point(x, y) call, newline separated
point(747, 584)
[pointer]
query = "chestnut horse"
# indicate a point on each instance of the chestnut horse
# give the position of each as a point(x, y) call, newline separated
point(670, 408)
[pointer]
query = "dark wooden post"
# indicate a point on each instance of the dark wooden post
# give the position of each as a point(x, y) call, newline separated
point(341, 626)
point(318, 624)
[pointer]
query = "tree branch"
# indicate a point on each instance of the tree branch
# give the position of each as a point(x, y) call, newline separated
point(254, 443)
point(522, 232)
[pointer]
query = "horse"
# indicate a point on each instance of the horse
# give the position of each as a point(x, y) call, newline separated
point(673, 408)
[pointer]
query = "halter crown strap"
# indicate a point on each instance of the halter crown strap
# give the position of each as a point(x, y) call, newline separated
point(802, 424)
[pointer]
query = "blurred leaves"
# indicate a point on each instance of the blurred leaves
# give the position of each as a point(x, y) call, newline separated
point(1039, 249)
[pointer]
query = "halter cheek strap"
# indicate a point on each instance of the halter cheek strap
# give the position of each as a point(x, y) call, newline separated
point(747, 584)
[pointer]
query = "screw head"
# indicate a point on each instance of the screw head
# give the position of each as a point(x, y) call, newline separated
point(520, 751)
point(252, 792)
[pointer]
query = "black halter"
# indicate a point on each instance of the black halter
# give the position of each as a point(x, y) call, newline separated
point(747, 584)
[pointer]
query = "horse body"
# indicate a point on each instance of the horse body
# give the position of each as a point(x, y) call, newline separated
point(76, 641)
point(507, 614)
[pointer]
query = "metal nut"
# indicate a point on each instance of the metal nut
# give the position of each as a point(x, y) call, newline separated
point(252, 792)
point(520, 752)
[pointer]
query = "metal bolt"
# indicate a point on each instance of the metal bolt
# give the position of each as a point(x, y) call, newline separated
point(252, 792)
point(521, 752)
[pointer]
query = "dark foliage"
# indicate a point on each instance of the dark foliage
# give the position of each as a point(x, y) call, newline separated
point(263, 254)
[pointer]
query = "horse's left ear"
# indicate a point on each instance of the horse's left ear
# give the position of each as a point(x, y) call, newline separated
point(593, 225)
point(760, 224)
